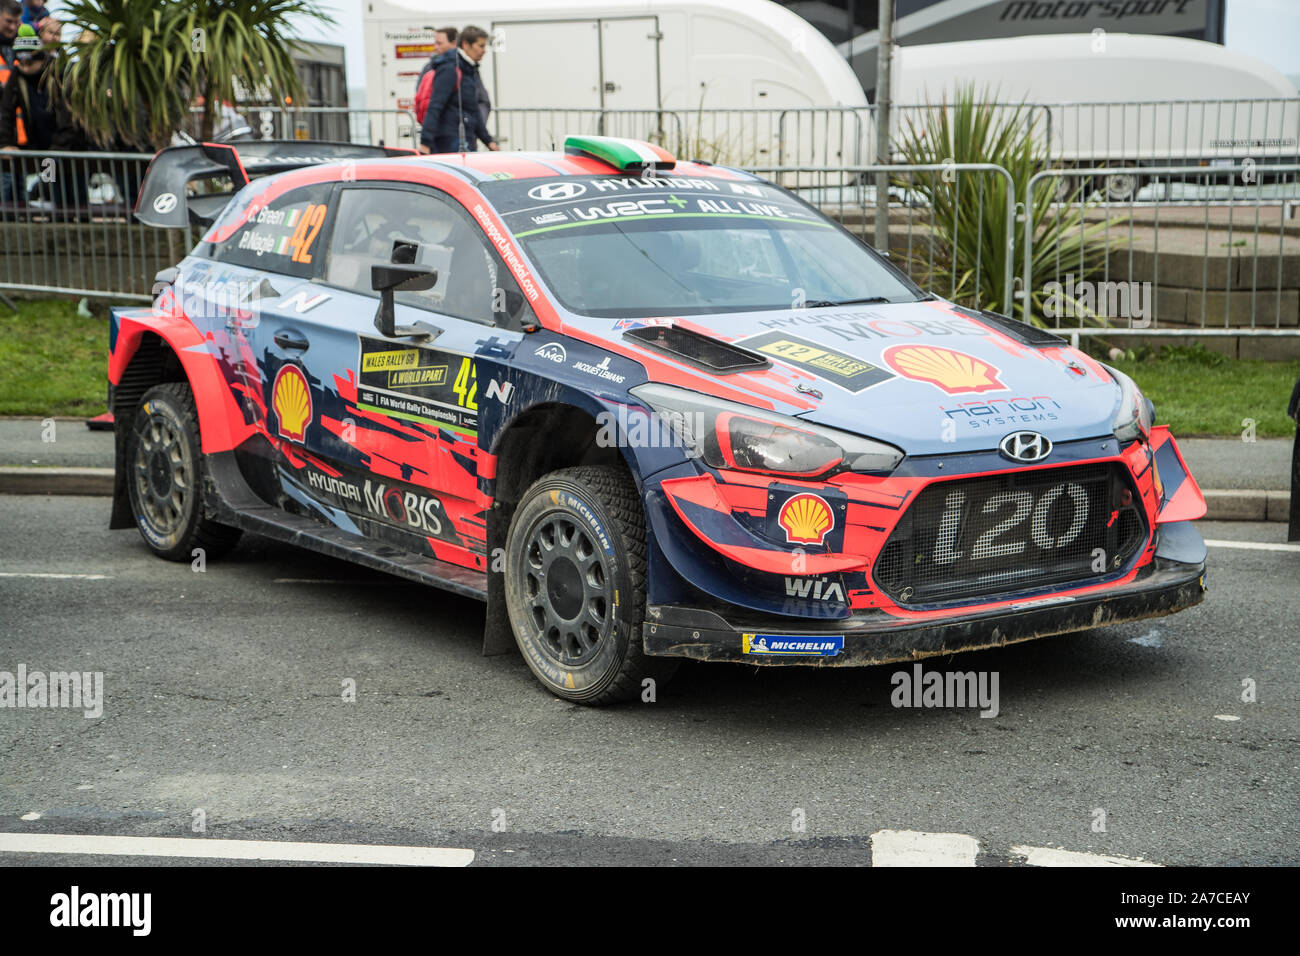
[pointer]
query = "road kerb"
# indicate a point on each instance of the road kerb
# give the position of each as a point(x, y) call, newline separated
point(37, 480)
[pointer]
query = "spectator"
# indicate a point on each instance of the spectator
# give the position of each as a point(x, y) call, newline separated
point(31, 116)
point(444, 39)
point(34, 12)
point(449, 126)
point(11, 14)
point(50, 31)
point(11, 18)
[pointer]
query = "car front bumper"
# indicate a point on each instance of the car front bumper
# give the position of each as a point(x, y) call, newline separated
point(1174, 580)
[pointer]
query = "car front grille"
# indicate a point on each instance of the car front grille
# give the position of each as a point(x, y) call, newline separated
point(970, 539)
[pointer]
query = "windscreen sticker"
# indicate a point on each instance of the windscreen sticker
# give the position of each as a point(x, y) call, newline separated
point(424, 385)
point(849, 373)
point(566, 203)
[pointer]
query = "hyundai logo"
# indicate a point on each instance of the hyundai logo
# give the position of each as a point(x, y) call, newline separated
point(1025, 446)
point(549, 192)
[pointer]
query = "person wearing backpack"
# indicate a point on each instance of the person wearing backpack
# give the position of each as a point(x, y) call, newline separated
point(444, 39)
point(452, 122)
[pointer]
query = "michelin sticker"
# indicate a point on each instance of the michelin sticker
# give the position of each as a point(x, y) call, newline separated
point(775, 645)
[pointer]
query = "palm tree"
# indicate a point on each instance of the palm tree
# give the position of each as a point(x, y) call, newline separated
point(969, 219)
point(244, 46)
point(137, 67)
point(124, 80)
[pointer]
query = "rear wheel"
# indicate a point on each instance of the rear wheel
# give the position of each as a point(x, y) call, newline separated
point(164, 481)
point(575, 586)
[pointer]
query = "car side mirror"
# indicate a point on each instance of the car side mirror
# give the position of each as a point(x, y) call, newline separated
point(387, 279)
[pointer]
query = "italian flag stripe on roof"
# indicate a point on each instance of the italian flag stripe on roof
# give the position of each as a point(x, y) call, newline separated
point(621, 153)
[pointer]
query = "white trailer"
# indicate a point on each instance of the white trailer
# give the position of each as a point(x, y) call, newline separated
point(727, 79)
point(1118, 97)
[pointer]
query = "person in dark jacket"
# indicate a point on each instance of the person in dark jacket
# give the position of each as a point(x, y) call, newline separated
point(11, 18)
point(453, 122)
point(444, 39)
point(32, 117)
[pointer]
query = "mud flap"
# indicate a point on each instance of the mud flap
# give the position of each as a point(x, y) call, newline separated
point(497, 636)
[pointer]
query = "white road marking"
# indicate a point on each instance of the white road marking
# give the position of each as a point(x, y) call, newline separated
point(1226, 717)
point(914, 848)
point(1048, 856)
point(199, 848)
point(34, 815)
point(1254, 545)
point(50, 574)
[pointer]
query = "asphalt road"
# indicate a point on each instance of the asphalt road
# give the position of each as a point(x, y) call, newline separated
point(223, 693)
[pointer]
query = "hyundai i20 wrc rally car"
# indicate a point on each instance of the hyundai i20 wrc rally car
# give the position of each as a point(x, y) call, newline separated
point(646, 409)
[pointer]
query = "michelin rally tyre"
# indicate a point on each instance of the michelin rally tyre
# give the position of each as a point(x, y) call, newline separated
point(164, 477)
point(575, 586)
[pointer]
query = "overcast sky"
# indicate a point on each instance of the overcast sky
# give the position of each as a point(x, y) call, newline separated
point(1268, 29)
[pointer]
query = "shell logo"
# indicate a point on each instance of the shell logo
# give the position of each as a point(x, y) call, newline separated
point(291, 399)
point(954, 372)
point(806, 518)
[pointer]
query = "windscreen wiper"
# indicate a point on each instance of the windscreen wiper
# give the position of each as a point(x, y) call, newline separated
point(826, 303)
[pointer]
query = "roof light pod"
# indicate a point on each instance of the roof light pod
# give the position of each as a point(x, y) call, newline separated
point(625, 155)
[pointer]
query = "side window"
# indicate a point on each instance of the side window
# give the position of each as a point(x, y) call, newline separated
point(284, 235)
point(371, 220)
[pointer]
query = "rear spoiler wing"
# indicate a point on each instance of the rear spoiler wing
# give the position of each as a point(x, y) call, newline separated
point(165, 202)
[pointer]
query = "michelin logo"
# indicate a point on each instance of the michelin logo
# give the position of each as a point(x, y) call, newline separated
point(773, 645)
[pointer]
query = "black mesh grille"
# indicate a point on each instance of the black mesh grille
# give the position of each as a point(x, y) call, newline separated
point(976, 538)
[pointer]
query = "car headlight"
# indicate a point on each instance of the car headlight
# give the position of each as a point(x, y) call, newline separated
point(730, 435)
point(1135, 415)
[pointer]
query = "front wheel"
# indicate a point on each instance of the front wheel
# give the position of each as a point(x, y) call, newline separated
point(164, 480)
point(575, 586)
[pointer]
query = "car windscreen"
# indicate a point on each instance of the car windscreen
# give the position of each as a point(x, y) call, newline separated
point(638, 247)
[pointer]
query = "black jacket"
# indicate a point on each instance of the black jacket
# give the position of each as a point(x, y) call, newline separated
point(47, 122)
point(484, 101)
point(451, 107)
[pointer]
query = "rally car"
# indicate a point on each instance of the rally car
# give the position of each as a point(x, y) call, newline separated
point(646, 409)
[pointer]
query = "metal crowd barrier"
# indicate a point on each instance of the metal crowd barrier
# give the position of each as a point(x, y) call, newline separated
point(545, 129)
point(830, 136)
point(389, 127)
point(1196, 248)
point(951, 225)
point(66, 226)
point(1213, 249)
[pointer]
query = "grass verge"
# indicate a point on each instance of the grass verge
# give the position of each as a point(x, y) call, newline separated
point(52, 361)
point(1199, 392)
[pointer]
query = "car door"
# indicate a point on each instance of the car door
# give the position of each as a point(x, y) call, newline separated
point(394, 451)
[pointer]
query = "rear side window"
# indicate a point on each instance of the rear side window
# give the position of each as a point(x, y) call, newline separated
point(283, 235)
